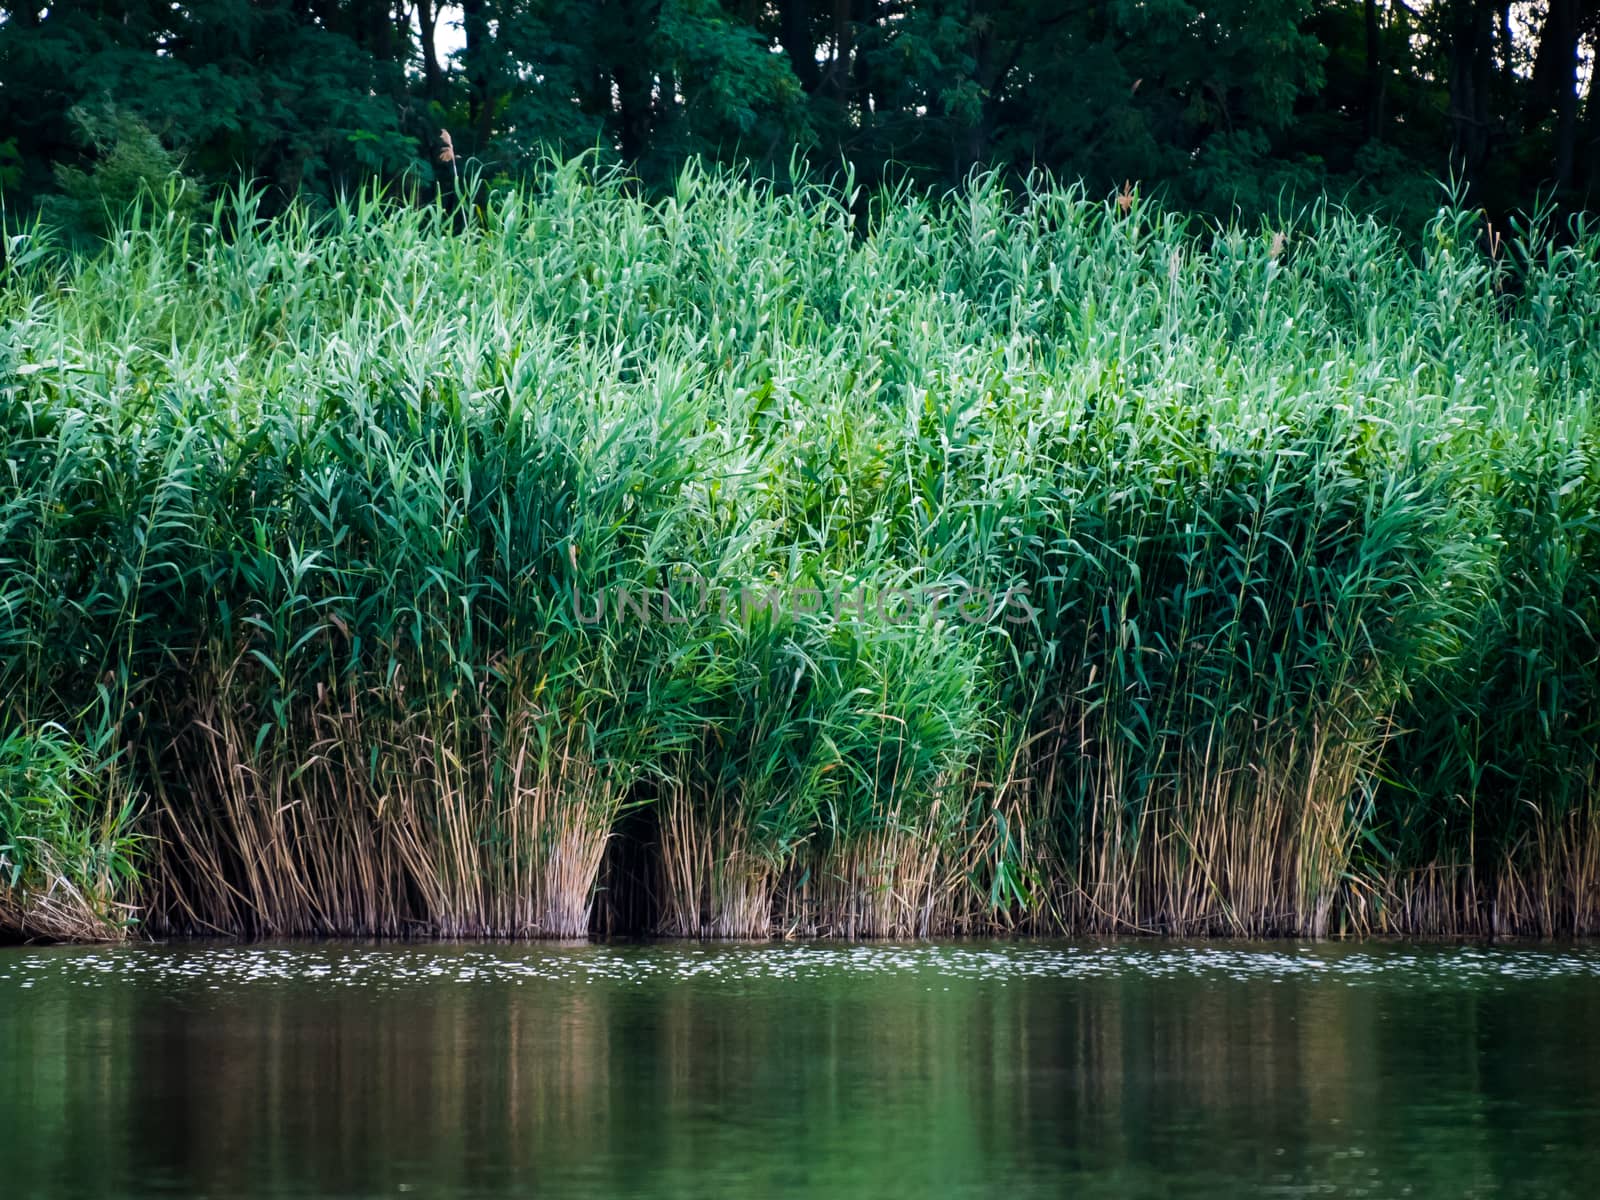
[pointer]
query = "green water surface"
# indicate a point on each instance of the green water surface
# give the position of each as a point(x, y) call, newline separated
point(978, 1069)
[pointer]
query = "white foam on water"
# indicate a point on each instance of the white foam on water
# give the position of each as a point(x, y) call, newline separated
point(473, 964)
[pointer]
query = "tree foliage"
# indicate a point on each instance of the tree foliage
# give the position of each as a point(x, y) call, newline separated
point(1225, 104)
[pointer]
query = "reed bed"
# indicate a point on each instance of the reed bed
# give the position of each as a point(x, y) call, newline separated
point(1005, 560)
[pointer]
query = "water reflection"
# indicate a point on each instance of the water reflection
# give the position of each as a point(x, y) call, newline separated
point(1139, 1070)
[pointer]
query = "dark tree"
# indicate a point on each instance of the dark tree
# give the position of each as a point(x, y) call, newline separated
point(1222, 104)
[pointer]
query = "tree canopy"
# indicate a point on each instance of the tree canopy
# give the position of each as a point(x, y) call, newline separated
point(1227, 104)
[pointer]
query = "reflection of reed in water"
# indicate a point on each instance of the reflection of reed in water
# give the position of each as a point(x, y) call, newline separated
point(474, 1071)
point(294, 1087)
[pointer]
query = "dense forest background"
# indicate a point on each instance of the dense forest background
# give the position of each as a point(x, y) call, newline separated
point(1223, 105)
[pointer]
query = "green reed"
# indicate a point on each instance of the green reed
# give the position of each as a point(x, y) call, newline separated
point(374, 557)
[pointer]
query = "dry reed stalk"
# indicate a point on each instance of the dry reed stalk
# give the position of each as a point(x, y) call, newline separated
point(893, 880)
point(882, 885)
point(1548, 885)
point(686, 862)
point(59, 911)
point(452, 824)
point(1246, 835)
point(715, 882)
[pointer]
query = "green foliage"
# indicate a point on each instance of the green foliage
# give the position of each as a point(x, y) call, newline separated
point(1224, 106)
point(263, 90)
point(10, 165)
point(67, 857)
point(131, 167)
point(352, 529)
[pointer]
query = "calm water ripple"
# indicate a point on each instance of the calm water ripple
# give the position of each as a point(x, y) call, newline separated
point(964, 1069)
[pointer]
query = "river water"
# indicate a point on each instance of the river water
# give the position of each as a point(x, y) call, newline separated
point(1146, 1069)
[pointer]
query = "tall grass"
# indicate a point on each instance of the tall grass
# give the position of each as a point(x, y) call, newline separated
point(66, 850)
point(385, 564)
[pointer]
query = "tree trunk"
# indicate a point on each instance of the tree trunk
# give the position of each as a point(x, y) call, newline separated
point(1508, 46)
point(427, 27)
point(865, 17)
point(372, 26)
point(1377, 79)
point(1588, 152)
point(480, 68)
point(633, 72)
point(1555, 83)
point(1471, 54)
point(836, 80)
point(1590, 137)
point(795, 32)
